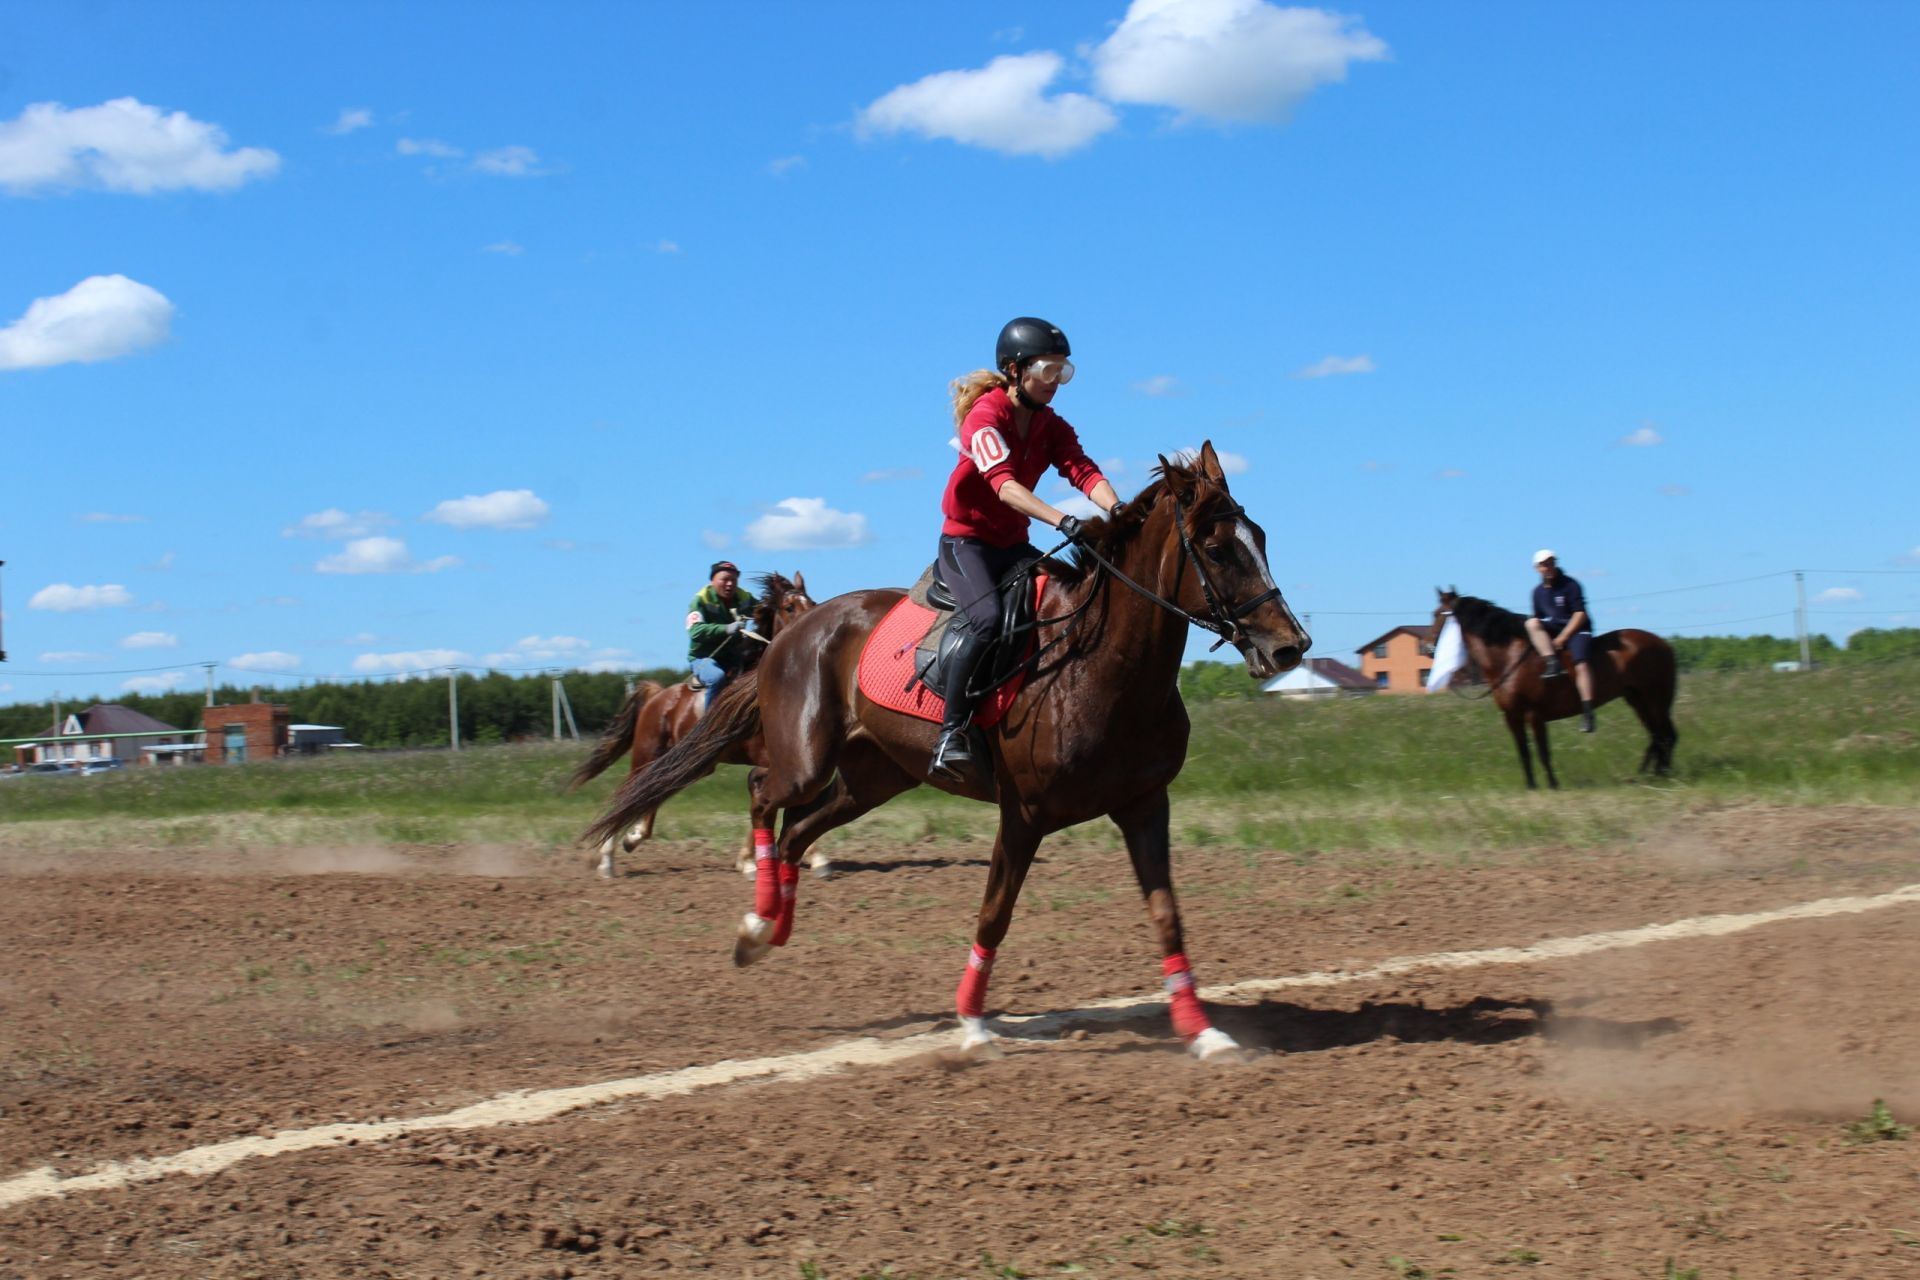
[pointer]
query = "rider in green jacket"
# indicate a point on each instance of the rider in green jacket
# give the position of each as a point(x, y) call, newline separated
point(715, 619)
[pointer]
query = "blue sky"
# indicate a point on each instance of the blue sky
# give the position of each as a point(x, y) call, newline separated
point(346, 338)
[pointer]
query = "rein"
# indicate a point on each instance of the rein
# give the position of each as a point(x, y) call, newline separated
point(1493, 688)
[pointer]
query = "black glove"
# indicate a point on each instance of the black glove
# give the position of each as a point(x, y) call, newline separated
point(1071, 529)
point(1119, 510)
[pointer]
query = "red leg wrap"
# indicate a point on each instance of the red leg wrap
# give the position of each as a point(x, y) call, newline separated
point(1189, 1019)
point(789, 898)
point(766, 884)
point(971, 998)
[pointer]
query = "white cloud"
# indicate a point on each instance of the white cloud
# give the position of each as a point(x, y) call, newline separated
point(1450, 473)
point(151, 640)
point(1002, 107)
point(568, 651)
point(72, 655)
point(413, 660)
point(1910, 557)
point(1074, 503)
point(108, 517)
point(165, 682)
point(361, 638)
point(667, 246)
point(428, 147)
point(509, 162)
point(122, 145)
point(1374, 467)
point(161, 565)
point(1838, 595)
point(101, 318)
point(508, 247)
point(381, 555)
point(335, 523)
point(6, 688)
point(271, 660)
point(714, 541)
point(351, 118)
point(887, 475)
point(501, 509)
point(1160, 387)
point(1336, 367)
point(1644, 438)
point(62, 598)
point(806, 524)
point(785, 165)
point(1228, 60)
point(1673, 491)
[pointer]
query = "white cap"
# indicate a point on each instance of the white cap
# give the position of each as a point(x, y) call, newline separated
point(1541, 556)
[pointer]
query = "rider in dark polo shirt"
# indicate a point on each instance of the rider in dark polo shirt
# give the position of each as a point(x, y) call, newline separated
point(1560, 621)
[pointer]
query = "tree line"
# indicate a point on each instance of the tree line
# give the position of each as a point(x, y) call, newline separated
point(494, 707)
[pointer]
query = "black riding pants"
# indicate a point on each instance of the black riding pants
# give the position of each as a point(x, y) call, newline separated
point(973, 570)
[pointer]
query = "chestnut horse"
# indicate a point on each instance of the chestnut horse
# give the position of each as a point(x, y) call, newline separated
point(652, 719)
point(1631, 664)
point(1098, 729)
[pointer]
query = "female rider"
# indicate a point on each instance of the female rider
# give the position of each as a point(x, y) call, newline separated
point(1009, 436)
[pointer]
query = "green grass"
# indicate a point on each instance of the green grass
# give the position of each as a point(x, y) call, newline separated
point(1384, 774)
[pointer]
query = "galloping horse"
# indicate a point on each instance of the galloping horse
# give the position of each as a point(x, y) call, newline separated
point(1098, 729)
point(652, 719)
point(1631, 664)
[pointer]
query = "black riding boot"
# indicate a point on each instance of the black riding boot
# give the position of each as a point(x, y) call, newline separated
point(953, 758)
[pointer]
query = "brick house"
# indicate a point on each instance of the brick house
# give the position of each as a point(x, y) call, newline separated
point(245, 731)
point(1398, 661)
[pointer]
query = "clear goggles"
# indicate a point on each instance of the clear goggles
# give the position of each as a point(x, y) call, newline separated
point(1052, 369)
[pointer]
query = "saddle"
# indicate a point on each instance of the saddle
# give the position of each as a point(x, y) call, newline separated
point(1018, 605)
point(900, 667)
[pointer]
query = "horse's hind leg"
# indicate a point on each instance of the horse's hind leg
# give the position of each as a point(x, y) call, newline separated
point(1013, 850)
point(1144, 824)
point(1661, 735)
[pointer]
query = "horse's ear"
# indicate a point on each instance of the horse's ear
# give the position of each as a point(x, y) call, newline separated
point(1453, 591)
point(800, 582)
point(1209, 463)
point(1440, 591)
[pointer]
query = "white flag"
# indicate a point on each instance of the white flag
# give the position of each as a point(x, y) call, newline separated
point(1449, 655)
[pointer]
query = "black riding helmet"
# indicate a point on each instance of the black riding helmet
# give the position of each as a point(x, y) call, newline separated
point(1028, 338)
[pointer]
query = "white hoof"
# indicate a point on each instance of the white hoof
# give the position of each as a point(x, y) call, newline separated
point(822, 869)
point(976, 1039)
point(1213, 1044)
point(754, 940)
point(605, 866)
point(746, 867)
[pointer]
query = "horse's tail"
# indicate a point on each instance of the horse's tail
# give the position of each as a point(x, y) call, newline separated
point(617, 739)
point(734, 715)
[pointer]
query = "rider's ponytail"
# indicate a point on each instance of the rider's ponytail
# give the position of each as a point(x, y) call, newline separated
point(970, 388)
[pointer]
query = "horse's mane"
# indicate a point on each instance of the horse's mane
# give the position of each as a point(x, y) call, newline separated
point(1110, 537)
point(773, 589)
point(1488, 620)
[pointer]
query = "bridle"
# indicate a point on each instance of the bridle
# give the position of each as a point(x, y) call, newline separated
point(1512, 670)
point(1222, 619)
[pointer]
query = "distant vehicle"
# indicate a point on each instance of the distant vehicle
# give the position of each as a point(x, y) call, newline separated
point(108, 765)
point(63, 767)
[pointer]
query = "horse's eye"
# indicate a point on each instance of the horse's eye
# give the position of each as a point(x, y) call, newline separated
point(1218, 554)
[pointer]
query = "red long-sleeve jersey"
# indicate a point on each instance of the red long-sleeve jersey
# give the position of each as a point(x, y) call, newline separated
point(992, 453)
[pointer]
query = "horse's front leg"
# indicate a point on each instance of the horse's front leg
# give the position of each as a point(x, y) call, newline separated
point(1546, 756)
point(1144, 823)
point(1013, 850)
point(1517, 726)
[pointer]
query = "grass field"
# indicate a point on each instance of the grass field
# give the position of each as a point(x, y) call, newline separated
point(1434, 774)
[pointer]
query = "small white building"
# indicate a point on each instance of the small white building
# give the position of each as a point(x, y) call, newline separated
point(1319, 678)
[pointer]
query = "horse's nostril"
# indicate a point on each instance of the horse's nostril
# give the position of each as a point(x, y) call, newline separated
point(1287, 656)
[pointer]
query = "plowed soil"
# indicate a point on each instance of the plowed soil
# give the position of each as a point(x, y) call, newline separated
point(1692, 1106)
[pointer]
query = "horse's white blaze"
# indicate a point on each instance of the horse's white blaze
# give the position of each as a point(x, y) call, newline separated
point(1245, 535)
point(526, 1107)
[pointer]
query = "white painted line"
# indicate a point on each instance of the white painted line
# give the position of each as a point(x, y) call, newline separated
point(524, 1107)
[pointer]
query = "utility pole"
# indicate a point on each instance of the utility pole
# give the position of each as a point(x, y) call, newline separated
point(3, 614)
point(209, 666)
point(1800, 619)
point(554, 698)
point(453, 705)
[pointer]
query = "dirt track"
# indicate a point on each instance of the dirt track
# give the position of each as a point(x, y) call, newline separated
point(1596, 1117)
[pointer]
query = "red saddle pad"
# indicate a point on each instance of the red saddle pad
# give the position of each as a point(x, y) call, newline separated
point(886, 665)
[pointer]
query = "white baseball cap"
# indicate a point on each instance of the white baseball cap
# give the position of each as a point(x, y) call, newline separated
point(1543, 555)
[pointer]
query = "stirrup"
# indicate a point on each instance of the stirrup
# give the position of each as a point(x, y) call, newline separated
point(1554, 669)
point(953, 756)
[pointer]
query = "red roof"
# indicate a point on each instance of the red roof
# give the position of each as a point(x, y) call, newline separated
point(1422, 633)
